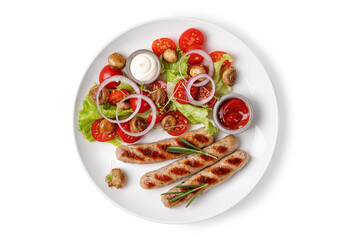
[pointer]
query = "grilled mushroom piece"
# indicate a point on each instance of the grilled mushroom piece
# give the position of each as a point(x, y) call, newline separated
point(197, 69)
point(124, 106)
point(117, 61)
point(138, 124)
point(158, 96)
point(170, 55)
point(168, 122)
point(107, 127)
point(103, 96)
point(229, 76)
point(116, 178)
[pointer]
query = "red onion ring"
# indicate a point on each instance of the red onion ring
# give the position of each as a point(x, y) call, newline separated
point(208, 60)
point(191, 83)
point(153, 111)
point(118, 78)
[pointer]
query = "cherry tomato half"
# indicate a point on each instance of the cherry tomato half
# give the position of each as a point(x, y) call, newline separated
point(107, 72)
point(195, 58)
point(144, 105)
point(217, 55)
point(123, 136)
point(117, 95)
point(160, 114)
point(181, 125)
point(98, 134)
point(190, 37)
point(204, 93)
point(160, 45)
point(180, 94)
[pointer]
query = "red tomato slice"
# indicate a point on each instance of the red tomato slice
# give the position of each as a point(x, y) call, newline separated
point(217, 55)
point(160, 114)
point(160, 45)
point(107, 72)
point(181, 126)
point(157, 84)
point(204, 93)
point(144, 105)
point(98, 134)
point(190, 37)
point(180, 94)
point(117, 95)
point(195, 58)
point(123, 136)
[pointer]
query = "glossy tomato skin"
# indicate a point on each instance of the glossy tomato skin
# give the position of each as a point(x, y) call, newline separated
point(190, 37)
point(98, 134)
point(107, 72)
point(180, 92)
point(123, 136)
point(204, 92)
point(144, 105)
point(160, 114)
point(195, 58)
point(117, 95)
point(157, 84)
point(217, 55)
point(182, 123)
point(160, 45)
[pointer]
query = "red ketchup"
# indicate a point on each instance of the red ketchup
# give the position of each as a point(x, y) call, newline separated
point(234, 114)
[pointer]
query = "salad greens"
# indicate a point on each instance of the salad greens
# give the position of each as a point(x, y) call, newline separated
point(89, 114)
point(221, 88)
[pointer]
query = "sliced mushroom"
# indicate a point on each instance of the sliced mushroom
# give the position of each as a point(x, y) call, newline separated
point(158, 96)
point(197, 69)
point(170, 55)
point(103, 96)
point(116, 178)
point(229, 76)
point(138, 124)
point(124, 106)
point(168, 122)
point(117, 61)
point(107, 127)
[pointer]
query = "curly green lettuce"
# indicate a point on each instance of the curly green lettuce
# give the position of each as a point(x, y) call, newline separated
point(220, 88)
point(89, 113)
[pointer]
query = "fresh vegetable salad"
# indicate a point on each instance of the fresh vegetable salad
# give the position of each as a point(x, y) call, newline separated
point(172, 86)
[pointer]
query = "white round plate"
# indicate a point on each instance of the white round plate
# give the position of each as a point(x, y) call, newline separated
point(259, 140)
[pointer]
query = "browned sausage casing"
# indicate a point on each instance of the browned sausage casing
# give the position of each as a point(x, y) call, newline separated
point(156, 152)
point(189, 164)
point(213, 175)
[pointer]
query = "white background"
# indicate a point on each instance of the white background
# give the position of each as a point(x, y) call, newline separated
point(311, 50)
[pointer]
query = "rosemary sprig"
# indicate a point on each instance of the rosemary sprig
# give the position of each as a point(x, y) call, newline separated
point(199, 188)
point(188, 150)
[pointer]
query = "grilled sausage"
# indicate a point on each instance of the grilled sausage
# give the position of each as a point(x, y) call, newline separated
point(156, 152)
point(213, 175)
point(189, 164)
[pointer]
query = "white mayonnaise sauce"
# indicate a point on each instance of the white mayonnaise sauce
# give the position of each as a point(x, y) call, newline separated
point(143, 67)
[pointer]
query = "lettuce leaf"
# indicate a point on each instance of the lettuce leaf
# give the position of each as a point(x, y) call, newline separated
point(196, 115)
point(89, 113)
point(220, 88)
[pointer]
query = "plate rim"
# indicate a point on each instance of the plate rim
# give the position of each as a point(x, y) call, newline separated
point(272, 148)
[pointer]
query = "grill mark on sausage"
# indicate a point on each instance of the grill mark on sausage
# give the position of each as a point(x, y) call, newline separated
point(149, 184)
point(205, 179)
point(163, 147)
point(179, 171)
point(202, 138)
point(221, 149)
point(235, 161)
point(206, 158)
point(194, 163)
point(182, 144)
point(151, 153)
point(220, 171)
point(163, 177)
point(129, 154)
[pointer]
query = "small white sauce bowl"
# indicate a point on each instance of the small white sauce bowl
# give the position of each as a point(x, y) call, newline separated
point(223, 100)
point(130, 58)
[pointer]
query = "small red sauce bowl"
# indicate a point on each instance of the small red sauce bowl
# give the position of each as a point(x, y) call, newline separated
point(218, 111)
